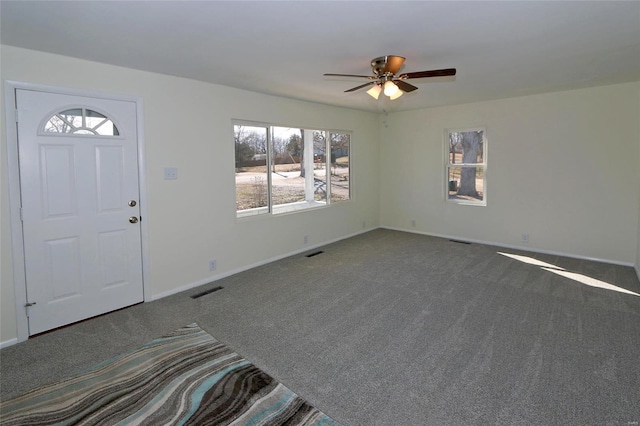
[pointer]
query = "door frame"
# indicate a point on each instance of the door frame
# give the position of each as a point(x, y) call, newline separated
point(15, 199)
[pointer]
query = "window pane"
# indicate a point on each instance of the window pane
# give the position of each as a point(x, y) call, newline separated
point(72, 116)
point(466, 183)
point(57, 125)
point(94, 117)
point(287, 177)
point(106, 128)
point(319, 166)
point(99, 124)
point(252, 196)
point(64, 122)
point(340, 166)
point(466, 147)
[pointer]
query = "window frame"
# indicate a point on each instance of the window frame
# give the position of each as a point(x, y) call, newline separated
point(90, 131)
point(272, 209)
point(480, 165)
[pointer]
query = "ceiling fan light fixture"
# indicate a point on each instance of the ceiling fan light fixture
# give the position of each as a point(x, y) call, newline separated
point(386, 78)
point(374, 92)
point(396, 95)
point(390, 88)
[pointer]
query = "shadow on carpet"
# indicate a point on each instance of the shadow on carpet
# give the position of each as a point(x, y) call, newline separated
point(184, 378)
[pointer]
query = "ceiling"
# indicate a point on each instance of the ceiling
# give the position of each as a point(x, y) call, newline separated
point(500, 49)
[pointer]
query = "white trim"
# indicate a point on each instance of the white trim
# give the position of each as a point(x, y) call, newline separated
point(15, 202)
point(212, 279)
point(144, 205)
point(281, 209)
point(254, 265)
point(17, 244)
point(8, 343)
point(448, 165)
point(513, 247)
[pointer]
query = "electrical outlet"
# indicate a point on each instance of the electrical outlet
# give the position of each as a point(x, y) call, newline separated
point(306, 239)
point(525, 238)
point(364, 224)
point(413, 223)
point(170, 173)
point(212, 265)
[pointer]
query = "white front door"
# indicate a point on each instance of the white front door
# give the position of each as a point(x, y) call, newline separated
point(78, 160)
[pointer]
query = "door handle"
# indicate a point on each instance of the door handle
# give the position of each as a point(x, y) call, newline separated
point(132, 203)
point(133, 219)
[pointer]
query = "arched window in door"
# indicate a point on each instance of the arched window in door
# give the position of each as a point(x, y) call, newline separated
point(81, 121)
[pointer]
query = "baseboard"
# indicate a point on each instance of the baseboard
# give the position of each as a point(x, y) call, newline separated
point(211, 279)
point(9, 342)
point(515, 247)
point(217, 277)
point(311, 247)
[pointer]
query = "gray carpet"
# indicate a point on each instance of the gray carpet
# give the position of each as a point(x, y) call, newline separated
point(392, 328)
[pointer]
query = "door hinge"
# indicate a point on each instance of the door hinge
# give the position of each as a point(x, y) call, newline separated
point(16, 114)
point(21, 215)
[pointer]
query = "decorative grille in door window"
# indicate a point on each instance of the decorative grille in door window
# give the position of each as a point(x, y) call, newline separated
point(81, 121)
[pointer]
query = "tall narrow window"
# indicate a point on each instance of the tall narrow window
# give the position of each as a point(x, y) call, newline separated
point(252, 193)
point(340, 187)
point(466, 166)
point(283, 169)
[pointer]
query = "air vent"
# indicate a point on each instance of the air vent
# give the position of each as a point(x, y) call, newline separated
point(204, 293)
point(315, 254)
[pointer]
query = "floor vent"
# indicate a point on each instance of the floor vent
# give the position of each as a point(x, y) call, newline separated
point(204, 293)
point(460, 242)
point(315, 254)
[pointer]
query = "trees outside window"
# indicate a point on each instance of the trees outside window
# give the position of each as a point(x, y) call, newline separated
point(252, 191)
point(283, 169)
point(466, 166)
point(340, 166)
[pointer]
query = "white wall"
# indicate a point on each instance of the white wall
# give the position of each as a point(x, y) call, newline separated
point(188, 126)
point(637, 265)
point(562, 167)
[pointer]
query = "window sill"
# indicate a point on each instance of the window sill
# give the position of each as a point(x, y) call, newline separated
point(281, 209)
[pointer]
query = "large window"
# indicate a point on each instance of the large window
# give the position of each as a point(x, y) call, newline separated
point(466, 168)
point(283, 169)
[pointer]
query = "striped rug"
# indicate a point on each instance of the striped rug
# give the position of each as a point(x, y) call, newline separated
point(184, 378)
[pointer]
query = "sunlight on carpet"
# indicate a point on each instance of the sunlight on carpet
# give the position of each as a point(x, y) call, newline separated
point(581, 278)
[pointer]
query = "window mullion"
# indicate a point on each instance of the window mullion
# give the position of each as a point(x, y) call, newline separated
point(327, 165)
point(308, 166)
point(269, 165)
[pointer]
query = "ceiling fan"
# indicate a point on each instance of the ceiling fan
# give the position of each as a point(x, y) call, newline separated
point(386, 81)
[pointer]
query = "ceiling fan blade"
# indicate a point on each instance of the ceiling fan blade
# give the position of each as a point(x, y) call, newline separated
point(370, 77)
point(393, 64)
point(353, 89)
point(433, 73)
point(404, 86)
